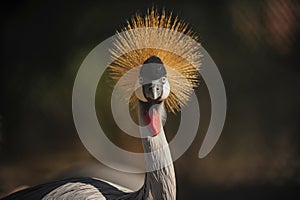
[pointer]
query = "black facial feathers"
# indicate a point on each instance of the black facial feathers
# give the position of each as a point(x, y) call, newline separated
point(152, 69)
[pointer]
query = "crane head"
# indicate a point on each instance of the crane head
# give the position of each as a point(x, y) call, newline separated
point(152, 85)
point(152, 89)
point(160, 58)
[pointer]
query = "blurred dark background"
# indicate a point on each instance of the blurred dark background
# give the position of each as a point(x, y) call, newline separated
point(255, 44)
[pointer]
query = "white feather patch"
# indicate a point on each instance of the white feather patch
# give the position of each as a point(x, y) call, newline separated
point(166, 90)
point(139, 92)
point(75, 191)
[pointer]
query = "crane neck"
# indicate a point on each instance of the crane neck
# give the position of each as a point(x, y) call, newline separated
point(160, 180)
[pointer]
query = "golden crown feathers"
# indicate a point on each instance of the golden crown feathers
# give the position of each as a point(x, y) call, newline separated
point(131, 48)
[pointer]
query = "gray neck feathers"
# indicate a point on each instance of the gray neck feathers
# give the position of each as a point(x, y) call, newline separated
point(160, 182)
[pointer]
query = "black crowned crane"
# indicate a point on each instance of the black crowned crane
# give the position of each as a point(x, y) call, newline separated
point(156, 89)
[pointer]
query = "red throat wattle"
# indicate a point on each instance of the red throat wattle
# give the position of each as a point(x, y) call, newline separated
point(152, 119)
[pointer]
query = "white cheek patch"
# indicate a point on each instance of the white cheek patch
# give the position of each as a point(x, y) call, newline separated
point(139, 92)
point(166, 90)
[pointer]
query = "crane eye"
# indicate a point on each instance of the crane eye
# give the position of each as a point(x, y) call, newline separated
point(141, 80)
point(164, 79)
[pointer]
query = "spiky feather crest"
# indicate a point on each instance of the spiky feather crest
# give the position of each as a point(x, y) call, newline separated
point(129, 53)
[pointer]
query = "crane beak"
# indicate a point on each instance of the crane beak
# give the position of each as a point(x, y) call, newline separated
point(153, 91)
